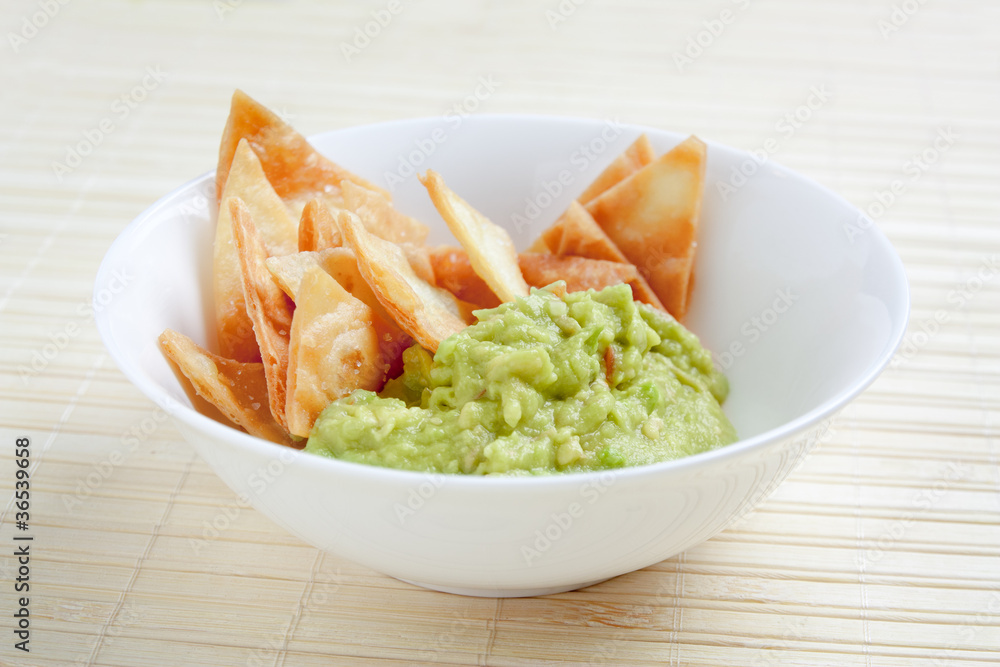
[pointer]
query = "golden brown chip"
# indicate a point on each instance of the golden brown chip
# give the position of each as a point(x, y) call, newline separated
point(419, 258)
point(453, 271)
point(425, 312)
point(334, 349)
point(270, 310)
point(297, 171)
point(635, 157)
point(489, 246)
point(237, 389)
point(652, 216)
point(583, 237)
point(277, 229)
point(579, 273)
point(455, 274)
point(380, 218)
point(340, 263)
point(317, 228)
point(288, 270)
point(539, 245)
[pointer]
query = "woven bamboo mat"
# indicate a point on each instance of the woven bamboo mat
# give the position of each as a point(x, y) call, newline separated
point(882, 549)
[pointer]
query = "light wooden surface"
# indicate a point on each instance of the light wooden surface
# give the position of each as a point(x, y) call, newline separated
point(882, 549)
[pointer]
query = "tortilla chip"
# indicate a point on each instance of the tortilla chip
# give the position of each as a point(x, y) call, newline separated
point(579, 273)
point(237, 389)
point(652, 216)
point(539, 246)
point(288, 270)
point(380, 218)
point(635, 157)
point(317, 228)
point(583, 237)
point(490, 247)
point(269, 308)
point(296, 170)
point(334, 349)
point(453, 271)
point(420, 261)
point(425, 312)
point(340, 263)
point(277, 229)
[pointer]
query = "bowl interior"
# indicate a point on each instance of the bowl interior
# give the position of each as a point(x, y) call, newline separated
point(800, 310)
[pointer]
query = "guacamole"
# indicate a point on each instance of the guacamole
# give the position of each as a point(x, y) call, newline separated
point(543, 384)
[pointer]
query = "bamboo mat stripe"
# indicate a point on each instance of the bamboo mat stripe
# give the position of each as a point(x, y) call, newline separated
point(882, 548)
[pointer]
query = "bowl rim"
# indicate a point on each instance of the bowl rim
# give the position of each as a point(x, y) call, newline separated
point(259, 446)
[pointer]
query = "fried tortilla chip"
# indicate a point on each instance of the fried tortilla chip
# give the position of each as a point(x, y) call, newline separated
point(635, 157)
point(549, 240)
point(453, 271)
point(652, 216)
point(288, 270)
point(277, 229)
point(317, 228)
point(539, 245)
point(489, 246)
point(340, 263)
point(579, 273)
point(237, 389)
point(539, 269)
point(269, 308)
point(425, 312)
point(334, 349)
point(380, 218)
point(297, 171)
point(420, 261)
point(582, 236)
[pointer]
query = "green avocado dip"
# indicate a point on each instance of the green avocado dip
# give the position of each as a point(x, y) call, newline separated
point(544, 384)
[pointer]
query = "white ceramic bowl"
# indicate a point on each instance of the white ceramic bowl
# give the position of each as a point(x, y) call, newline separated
point(802, 299)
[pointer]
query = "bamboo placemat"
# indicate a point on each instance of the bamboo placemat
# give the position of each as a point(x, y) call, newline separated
point(882, 549)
